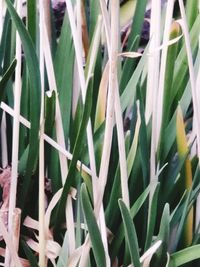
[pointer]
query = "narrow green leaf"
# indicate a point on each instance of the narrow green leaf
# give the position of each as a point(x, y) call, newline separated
point(117, 241)
point(4, 38)
point(63, 255)
point(128, 95)
point(185, 100)
point(181, 65)
point(133, 41)
point(191, 12)
point(94, 12)
point(130, 234)
point(160, 258)
point(186, 255)
point(50, 106)
point(152, 217)
point(64, 66)
point(32, 18)
point(6, 77)
point(29, 254)
point(93, 228)
point(35, 90)
point(76, 153)
point(169, 73)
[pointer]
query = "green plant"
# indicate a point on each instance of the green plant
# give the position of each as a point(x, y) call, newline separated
point(100, 134)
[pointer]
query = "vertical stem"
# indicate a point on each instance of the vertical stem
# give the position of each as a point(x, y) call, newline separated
point(4, 152)
point(194, 89)
point(4, 148)
point(15, 144)
point(47, 17)
point(153, 79)
point(110, 104)
point(42, 241)
point(166, 38)
point(1, 17)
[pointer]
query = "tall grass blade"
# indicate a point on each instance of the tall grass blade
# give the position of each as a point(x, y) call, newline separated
point(93, 229)
point(130, 234)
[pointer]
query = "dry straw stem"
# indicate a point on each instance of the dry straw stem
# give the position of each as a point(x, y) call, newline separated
point(120, 128)
point(59, 132)
point(153, 66)
point(106, 21)
point(166, 40)
point(48, 139)
point(58, 119)
point(70, 223)
point(121, 146)
point(78, 54)
point(84, 84)
point(153, 81)
point(4, 152)
point(59, 126)
point(110, 103)
point(16, 227)
point(8, 238)
point(147, 256)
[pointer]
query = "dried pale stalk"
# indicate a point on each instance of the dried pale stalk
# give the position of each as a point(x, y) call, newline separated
point(106, 20)
point(47, 16)
point(120, 134)
point(48, 139)
point(4, 150)
point(153, 80)
point(70, 224)
point(166, 37)
point(78, 55)
point(58, 118)
point(10, 246)
point(16, 227)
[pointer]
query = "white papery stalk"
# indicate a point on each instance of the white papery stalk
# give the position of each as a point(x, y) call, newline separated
point(60, 137)
point(15, 141)
point(4, 148)
point(83, 85)
point(166, 37)
point(110, 105)
point(153, 80)
point(78, 54)
point(118, 112)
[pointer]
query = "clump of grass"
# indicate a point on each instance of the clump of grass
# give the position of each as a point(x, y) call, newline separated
point(99, 134)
